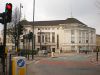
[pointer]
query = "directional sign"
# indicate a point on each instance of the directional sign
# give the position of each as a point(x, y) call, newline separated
point(20, 63)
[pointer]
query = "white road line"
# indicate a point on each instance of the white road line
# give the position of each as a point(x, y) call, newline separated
point(36, 62)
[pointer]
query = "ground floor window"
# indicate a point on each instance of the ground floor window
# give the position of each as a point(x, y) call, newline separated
point(53, 49)
point(38, 48)
point(73, 48)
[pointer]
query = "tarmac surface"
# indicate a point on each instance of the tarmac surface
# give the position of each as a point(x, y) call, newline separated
point(65, 64)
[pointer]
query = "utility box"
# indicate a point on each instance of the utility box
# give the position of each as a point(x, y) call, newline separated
point(19, 65)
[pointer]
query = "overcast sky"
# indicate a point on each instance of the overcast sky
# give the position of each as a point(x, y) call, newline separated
point(83, 10)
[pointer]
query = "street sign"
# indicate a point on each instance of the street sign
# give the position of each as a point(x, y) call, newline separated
point(20, 63)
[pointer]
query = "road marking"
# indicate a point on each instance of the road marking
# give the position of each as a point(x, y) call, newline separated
point(36, 62)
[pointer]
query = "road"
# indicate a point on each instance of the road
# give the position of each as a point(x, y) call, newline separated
point(64, 65)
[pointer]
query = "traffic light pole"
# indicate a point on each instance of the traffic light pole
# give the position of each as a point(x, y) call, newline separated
point(4, 43)
point(6, 18)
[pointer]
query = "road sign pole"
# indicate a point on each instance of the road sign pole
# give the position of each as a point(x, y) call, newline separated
point(10, 65)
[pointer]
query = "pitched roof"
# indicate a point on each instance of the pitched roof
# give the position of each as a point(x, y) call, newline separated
point(73, 20)
point(53, 22)
point(98, 35)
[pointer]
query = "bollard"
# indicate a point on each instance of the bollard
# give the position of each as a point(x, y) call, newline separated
point(97, 56)
point(19, 65)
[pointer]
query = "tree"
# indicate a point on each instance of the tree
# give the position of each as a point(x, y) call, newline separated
point(12, 29)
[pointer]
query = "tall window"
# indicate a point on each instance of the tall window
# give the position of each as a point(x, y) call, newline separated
point(72, 32)
point(72, 39)
point(72, 48)
point(38, 39)
point(42, 38)
point(80, 36)
point(92, 37)
point(83, 37)
point(57, 41)
point(86, 41)
point(53, 37)
point(79, 39)
point(87, 37)
point(46, 38)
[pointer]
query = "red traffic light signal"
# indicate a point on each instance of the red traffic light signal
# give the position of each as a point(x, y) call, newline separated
point(9, 6)
point(8, 11)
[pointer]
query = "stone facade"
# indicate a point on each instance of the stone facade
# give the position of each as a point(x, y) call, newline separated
point(98, 41)
point(68, 35)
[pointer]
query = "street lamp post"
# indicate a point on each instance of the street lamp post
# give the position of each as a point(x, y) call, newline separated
point(33, 23)
point(20, 11)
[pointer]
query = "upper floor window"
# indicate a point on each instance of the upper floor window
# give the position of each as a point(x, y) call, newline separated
point(79, 39)
point(42, 38)
point(86, 41)
point(53, 37)
point(72, 47)
point(72, 32)
point(53, 28)
point(72, 39)
point(46, 28)
point(38, 39)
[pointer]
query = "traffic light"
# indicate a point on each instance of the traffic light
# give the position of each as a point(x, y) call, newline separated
point(8, 11)
point(30, 35)
point(2, 15)
point(6, 16)
point(20, 29)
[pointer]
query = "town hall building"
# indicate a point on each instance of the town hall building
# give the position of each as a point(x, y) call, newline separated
point(68, 35)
